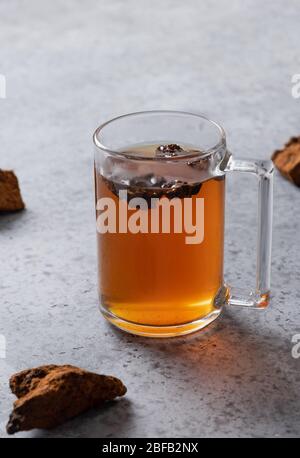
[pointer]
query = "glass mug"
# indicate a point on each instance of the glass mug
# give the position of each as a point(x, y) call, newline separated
point(160, 189)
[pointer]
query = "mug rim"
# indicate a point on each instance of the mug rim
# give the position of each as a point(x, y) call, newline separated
point(203, 153)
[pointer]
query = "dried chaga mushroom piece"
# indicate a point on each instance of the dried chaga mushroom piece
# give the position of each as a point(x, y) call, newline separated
point(50, 395)
point(10, 195)
point(25, 381)
point(150, 186)
point(287, 160)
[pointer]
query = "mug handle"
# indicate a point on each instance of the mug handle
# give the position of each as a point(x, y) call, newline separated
point(263, 170)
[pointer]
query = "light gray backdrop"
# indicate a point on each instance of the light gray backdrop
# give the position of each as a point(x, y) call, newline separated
point(70, 65)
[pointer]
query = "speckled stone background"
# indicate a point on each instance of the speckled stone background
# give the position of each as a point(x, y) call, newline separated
point(69, 66)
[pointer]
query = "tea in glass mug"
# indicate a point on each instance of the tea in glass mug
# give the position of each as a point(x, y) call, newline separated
point(160, 196)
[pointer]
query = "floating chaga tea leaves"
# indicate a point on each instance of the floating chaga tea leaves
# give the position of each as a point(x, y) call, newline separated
point(166, 151)
point(49, 395)
point(150, 187)
point(199, 164)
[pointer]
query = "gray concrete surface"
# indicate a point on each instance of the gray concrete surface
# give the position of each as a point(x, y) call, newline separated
point(69, 66)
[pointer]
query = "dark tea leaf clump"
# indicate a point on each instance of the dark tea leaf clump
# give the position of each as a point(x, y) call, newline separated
point(166, 151)
point(150, 186)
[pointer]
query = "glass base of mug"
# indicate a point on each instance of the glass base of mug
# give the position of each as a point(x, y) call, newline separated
point(160, 331)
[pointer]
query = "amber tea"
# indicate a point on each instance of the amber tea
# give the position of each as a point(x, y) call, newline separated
point(161, 259)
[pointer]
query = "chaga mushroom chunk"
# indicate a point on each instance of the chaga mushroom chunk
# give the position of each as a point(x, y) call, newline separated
point(50, 395)
point(287, 160)
point(10, 194)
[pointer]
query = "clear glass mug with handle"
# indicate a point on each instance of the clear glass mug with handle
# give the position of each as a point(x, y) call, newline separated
point(160, 193)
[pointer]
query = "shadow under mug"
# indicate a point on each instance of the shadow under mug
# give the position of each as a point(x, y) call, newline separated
point(160, 196)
